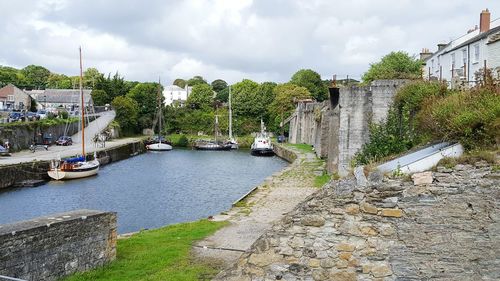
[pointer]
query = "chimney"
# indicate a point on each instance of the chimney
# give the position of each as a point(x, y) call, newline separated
point(425, 54)
point(441, 46)
point(484, 21)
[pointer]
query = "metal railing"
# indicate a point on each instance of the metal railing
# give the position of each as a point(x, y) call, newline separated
point(2, 277)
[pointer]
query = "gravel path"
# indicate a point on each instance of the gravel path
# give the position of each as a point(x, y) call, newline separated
point(248, 220)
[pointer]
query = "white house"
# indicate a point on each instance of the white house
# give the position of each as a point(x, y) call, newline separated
point(175, 93)
point(463, 57)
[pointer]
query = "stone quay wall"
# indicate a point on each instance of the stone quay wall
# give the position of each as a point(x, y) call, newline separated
point(37, 170)
point(338, 133)
point(284, 153)
point(446, 228)
point(50, 247)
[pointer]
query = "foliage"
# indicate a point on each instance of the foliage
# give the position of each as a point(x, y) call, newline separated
point(223, 95)
point(395, 65)
point(99, 97)
point(311, 80)
point(90, 77)
point(33, 105)
point(10, 75)
point(470, 117)
point(180, 83)
point(146, 96)
point(159, 254)
point(319, 181)
point(64, 114)
point(36, 76)
point(246, 100)
point(302, 147)
point(218, 85)
point(201, 97)
point(196, 80)
point(59, 81)
point(284, 103)
point(126, 113)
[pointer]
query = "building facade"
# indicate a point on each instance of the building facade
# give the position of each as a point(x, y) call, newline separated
point(13, 98)
point(174, 94)
point(68, 99)
point(461, 58)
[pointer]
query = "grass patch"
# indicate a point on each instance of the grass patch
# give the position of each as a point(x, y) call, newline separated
point(302, 147)
point(159, 254)
point(319, 181)
point(472, 157)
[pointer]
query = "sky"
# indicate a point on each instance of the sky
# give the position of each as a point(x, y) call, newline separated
point(262, 40)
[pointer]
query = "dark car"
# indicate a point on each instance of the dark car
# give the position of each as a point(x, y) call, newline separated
point(64, 140)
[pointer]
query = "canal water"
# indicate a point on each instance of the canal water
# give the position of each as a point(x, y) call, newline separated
point(149, 190)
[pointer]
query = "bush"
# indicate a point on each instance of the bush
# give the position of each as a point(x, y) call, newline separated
point(183, 141)
point(64, 114)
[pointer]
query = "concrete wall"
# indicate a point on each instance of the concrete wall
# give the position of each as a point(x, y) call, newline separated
point(285, 153)
point(50, 247)
point(338, 133)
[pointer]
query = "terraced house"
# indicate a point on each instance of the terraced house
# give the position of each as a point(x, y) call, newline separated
point(462, 58)
point(13, 98)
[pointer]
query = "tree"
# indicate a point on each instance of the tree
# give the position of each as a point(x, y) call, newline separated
point(36, 76)
point(219, 85)
point(100, 97)
point(396, 65)
point(146, 97)
point(90, 77)
point(223, 95)
point(197, 80)
point(311, 80)
point(284, 103)
point(126, 113)
point(266, 91)
point(180, 82)
point(201, 97)
point(9, 75)
point(246, 100)
point(59, 81)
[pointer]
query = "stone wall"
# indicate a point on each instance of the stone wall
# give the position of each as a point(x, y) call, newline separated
point(37, 170)
point(386, 229)
point(338, 133)
point(50, 247)
point(284, 153)
point(21, 137)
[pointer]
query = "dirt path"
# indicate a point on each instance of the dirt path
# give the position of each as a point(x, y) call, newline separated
point(248, 220)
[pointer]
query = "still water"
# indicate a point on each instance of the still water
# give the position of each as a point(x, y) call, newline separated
point(149, 190)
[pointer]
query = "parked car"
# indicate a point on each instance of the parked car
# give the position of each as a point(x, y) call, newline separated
point(64, 140)
point(42, 114)
point(16, 116)
point(32, 116)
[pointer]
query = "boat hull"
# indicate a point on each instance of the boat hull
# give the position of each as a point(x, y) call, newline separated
point(159, 147)
point(262, 152)
point(220, 147)
point(59, 174)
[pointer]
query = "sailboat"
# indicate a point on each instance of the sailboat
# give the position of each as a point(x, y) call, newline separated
point(262, 145)
point(159, 145)
point(76, 167)
point(212, 144)
point(232, 141)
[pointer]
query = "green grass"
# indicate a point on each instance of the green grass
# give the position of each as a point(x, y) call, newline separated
point(302, 147)
point(319, 181)
point(159, 254)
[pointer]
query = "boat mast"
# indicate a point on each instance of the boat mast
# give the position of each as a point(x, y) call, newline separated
point(82, 109)
point(230, 117)
point(216, 126)
point(159, 105)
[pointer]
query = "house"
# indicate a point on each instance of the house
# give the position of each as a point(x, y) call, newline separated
point(174, 93)
point(463, 57)
point(57, 98)
point(13, 98)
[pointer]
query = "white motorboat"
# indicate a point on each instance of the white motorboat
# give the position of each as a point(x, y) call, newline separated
point(262, 145)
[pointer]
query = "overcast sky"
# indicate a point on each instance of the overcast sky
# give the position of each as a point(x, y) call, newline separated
point(264, 40)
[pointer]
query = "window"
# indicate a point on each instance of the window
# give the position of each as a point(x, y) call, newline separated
point(464, 56)
point(432, 65)
point(453, 61)
point(10, 98)
point(476, 53)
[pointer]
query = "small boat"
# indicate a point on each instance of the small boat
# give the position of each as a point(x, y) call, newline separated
point(262, 145)
point(4, 150)
point(212, 144)
point(158, 143)
point(76, 167)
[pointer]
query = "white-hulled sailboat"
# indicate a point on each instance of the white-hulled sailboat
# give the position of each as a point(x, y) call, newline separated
point(232, 141)
point(159, 145)
point(76, 167)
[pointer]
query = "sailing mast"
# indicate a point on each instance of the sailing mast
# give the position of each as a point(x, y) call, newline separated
point(82, 109)
point(230, 117)
point(159, 105)
point(216, 127)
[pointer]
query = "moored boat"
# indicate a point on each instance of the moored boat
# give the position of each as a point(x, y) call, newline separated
point(262, 145)
point(212, 144)
point(77, 167)
point(158, 143)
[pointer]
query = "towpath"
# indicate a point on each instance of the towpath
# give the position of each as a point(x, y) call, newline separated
point(250, 218)
point(55, 151)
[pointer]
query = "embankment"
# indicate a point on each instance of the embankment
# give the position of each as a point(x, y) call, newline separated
point(37, 170)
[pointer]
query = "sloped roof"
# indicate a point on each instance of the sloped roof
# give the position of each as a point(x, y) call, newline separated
point(62, 96)
point(494, 38)
point(10, 90)
point(476, 38)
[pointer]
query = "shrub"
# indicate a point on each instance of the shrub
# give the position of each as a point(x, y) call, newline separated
point(183, 141)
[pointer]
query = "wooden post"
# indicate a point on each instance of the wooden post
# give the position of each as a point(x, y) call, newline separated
point(440, 73)
point(429, 74)
point(452, 71)
point(484, 73)
point(347, 80)
point(465, 72)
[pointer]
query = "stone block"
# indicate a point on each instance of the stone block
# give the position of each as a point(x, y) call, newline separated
point(396, 213)
point(381, 270)
point(313, 220)
point(345, 247)
point(422, 178)
point(359, 174)
point(352, 209)
point(343, 276)
point(264, 259)
point(368, 208)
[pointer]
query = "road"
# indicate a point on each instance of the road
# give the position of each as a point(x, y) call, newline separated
point(55, 152)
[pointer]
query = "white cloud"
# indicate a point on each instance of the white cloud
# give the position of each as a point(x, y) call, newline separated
point(260, 39)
